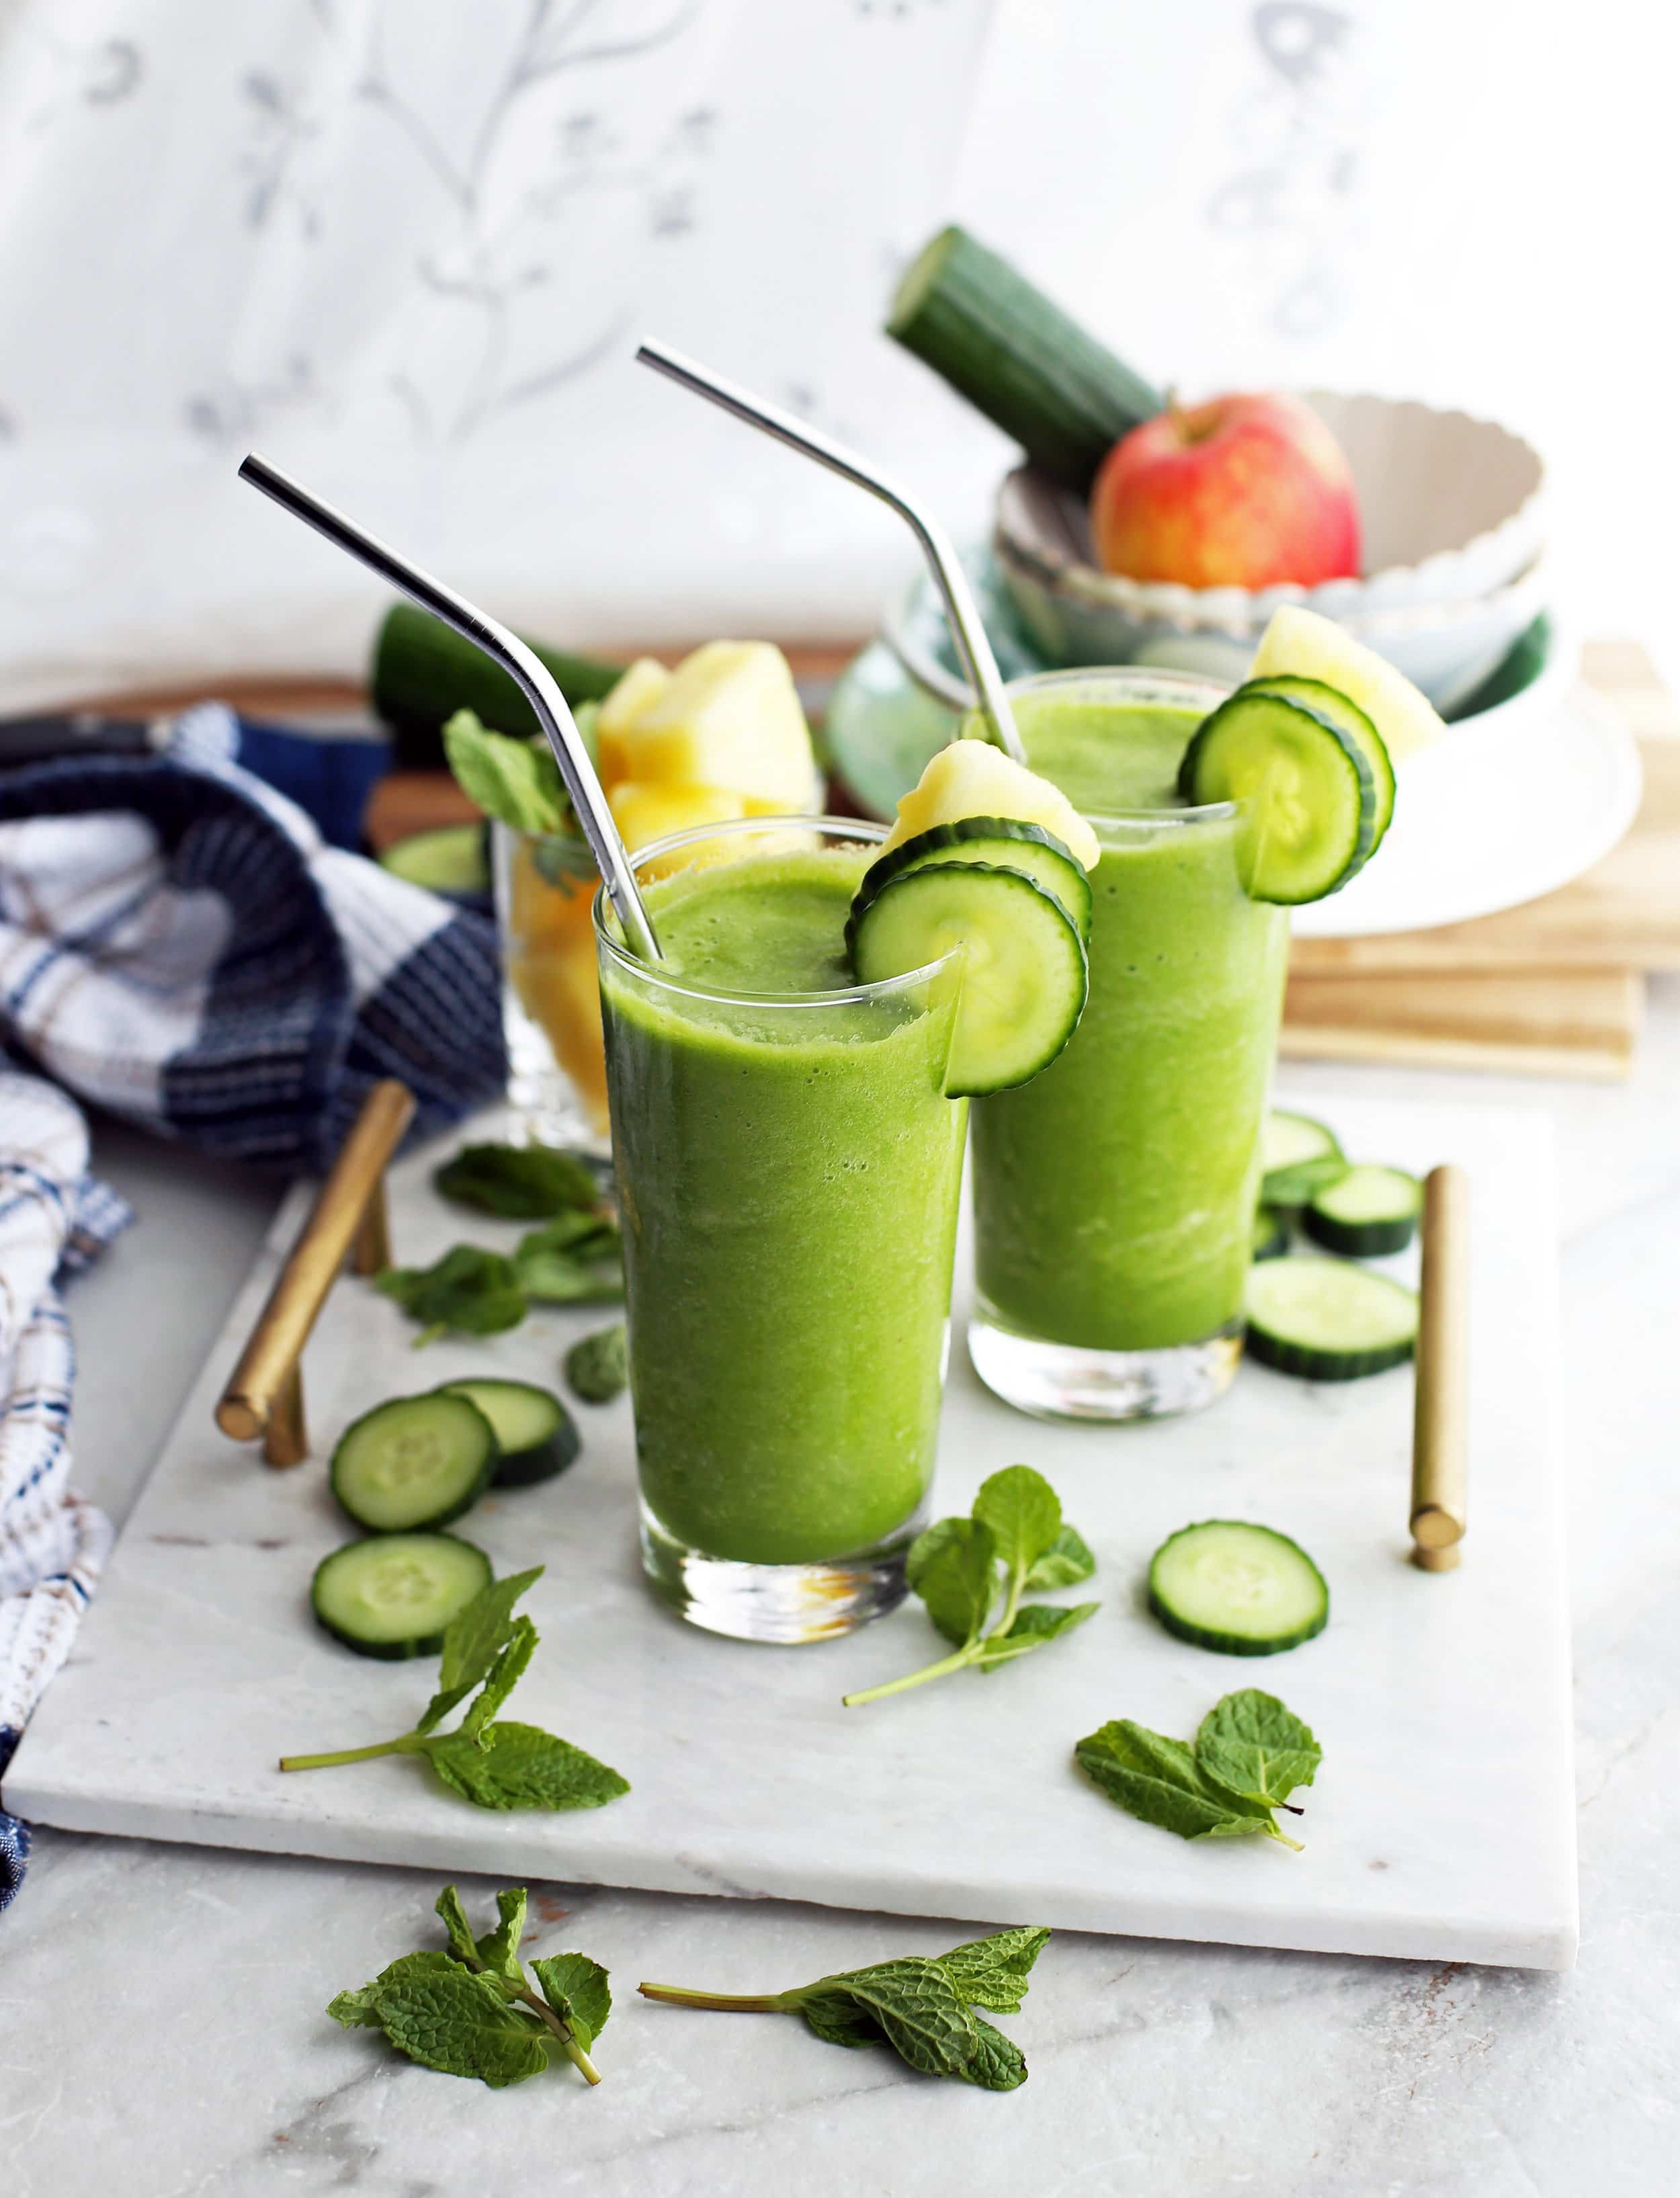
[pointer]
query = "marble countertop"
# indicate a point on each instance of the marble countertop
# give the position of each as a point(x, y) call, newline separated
point(161, 2031)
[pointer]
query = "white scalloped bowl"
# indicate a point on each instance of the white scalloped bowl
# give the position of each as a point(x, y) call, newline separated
point(1453, 515)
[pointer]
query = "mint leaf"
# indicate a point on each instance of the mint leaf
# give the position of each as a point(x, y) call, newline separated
point(519, 1766)
point(577, 1989)
point(1260, 1751)
point(1024, 1513)
point(922, 2006)
point(462, 1945)
point(460, 2024)
point(992, 1972)
point(922, 2014)
point(469, 1290)
point(1157, 1779)
point(499, 1949)
point(1032, 1627)
point(1064, 1564)
point(950, 1565)
point(998, 2064)
point(953, 1566)
point(517, 782)
point(597, 1366)
point(521, 1183)
point(359, 2009)
point(504, 1675)
point(471, 1640)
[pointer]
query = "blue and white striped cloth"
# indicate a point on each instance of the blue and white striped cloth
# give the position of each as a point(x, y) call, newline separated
point(180, 945)
point(53, 1219)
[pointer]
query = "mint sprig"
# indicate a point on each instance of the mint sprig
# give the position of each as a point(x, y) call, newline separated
point(470, 2010)
point(973, 1573)
point(1249, 1755)
point(924, 2007)
point(495, 1765)
point(515, 781)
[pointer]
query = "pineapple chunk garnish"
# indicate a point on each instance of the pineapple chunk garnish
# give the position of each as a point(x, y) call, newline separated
point(1305, 645)
point(726, 717)
point(638, 686)
point(972, 779)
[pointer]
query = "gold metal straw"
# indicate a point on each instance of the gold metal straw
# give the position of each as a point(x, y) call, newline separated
point(264, 1392)
point(967, 629)
point(1441, 1413)
point(535, 680)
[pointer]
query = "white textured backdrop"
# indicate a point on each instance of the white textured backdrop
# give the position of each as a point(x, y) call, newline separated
point(405, 247)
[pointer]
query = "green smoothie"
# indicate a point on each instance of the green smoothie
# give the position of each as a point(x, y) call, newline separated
point(788, 1176)
point(1115, 1195)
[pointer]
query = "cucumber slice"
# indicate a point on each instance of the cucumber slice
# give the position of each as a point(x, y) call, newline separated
point(412, 1462)
point(1017, 358)
point(1242, 1589)
point(1308, 792)
point(393, 1595)
point(1024, 976)
point(534, 1432)
point(1330, 702)
point(1327, 1320)
point(1298, 1156)
point(1366, 1212)
point(1271, 1236)
point(1008, 842)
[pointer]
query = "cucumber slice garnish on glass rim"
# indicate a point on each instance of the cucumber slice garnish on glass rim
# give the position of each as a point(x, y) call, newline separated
point(1307, 788)
point(1330, 702)
point(1241, 1590)
point(1024, 976)
point(1366, 1213)
point(393, 1595)
point(1327, 1321)
point(1008, 842)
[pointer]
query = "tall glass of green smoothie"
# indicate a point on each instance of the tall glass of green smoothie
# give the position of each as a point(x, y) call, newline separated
point(788, 1167)
point(1115, 1195)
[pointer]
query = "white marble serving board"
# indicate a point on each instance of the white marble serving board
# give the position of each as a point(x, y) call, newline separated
point(1442, 1825)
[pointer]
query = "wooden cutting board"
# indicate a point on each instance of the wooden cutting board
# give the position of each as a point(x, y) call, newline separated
point(1554, 988)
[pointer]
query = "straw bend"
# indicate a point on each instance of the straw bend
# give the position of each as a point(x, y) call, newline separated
point(967, 628)
point(536, 683)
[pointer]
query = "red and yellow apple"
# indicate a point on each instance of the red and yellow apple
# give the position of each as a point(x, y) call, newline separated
point(1242, 492)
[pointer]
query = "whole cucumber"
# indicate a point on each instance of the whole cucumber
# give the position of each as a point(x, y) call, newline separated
point(423, 672)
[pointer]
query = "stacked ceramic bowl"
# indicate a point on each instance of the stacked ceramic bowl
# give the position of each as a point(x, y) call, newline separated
point(1453, 521)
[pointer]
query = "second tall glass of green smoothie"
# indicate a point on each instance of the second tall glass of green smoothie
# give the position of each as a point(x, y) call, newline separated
point(1115, 1195)
point(788, 1165)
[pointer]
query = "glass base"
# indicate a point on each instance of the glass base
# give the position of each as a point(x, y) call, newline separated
point(1061, 1382)
point(785, 1603)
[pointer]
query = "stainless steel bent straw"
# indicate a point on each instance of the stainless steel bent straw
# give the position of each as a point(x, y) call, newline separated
point(965, 619)
point(536, 682)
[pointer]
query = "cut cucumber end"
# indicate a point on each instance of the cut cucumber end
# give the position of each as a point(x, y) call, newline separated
point(535, 1434)
point(1306, 791)
point(1238, 1589)
point(393, 1595)
point(1367, 1213)
point(1024, 976)
point(412, 1462)
point(1327, 1320)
